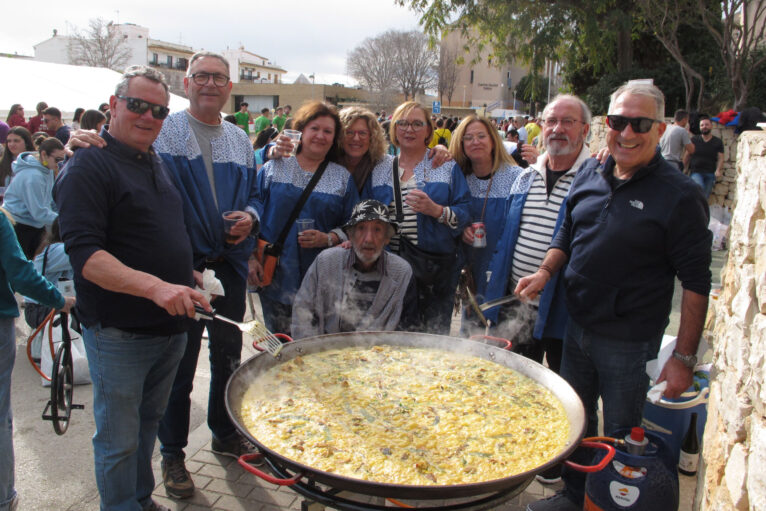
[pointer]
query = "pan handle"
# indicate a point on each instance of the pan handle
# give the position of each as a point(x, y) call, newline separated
point(245, 458)
point(501, 340)
point(610, 452)
point(281, 337)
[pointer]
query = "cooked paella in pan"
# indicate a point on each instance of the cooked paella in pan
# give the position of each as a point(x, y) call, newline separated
point(403, 415)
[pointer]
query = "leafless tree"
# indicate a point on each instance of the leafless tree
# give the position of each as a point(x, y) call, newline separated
point(738, 27)
point(416, 63)
point(448, 72)
point(372, 63)
point(394, 60)
point(100, 45)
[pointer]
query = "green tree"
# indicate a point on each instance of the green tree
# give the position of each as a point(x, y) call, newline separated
point(533, 89)
point(534, 32)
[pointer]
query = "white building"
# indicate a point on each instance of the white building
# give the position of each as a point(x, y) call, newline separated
point(246, 67)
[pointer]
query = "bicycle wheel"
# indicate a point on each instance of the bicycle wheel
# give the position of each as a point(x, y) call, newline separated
point(62, 387)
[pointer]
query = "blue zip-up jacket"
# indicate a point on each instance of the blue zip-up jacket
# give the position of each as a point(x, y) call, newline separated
point(18, 274)
point(29, 197)
point(445, 185)
point(280, 185)
point(551, 313)
point(235, 184)
point(495, 214)
point(627, 245)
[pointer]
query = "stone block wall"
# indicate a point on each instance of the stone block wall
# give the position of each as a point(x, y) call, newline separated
point(734, 453)
point(724, 189)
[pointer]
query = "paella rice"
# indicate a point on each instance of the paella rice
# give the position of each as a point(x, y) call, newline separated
point(403, 415)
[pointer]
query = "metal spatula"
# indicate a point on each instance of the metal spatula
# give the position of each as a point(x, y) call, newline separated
point(255, 328)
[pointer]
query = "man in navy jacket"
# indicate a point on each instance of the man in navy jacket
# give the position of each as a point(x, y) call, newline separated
point(633, 224)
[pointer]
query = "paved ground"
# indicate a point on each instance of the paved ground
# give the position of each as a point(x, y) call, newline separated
point(56, 472)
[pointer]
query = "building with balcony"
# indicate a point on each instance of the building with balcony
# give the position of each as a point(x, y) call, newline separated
point(171, 60)
point(248, 67)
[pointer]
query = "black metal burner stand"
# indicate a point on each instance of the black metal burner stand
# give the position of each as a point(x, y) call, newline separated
point(330, 497)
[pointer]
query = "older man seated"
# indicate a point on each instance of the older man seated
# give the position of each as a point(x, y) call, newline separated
point(364, 288)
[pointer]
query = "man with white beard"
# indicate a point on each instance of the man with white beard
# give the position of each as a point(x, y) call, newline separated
point(534, 217)
point(361, 288)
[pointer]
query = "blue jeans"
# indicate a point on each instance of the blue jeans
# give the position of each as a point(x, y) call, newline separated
point(705, 181)
point(596, 365)
point(7, 358)
point(132, 375)
point(225, 350)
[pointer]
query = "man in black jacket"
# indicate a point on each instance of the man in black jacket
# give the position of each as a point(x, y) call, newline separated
point(632, 225)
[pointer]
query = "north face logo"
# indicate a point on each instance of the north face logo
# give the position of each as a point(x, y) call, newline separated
point(637, 204)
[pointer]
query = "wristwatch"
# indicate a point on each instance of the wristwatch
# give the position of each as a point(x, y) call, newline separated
point(688, 360)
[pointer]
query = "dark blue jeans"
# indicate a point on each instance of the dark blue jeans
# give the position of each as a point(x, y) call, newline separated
point(613, 369)
point(132, 375)
point(225, 345)
point(705, 181)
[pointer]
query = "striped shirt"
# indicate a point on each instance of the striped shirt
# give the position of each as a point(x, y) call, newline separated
point(538, 221)
point(409, 225)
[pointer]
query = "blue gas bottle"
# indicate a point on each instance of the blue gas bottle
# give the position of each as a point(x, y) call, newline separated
point(641, 477)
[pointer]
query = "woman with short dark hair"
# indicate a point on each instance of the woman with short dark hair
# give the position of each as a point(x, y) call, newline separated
point(92, 120)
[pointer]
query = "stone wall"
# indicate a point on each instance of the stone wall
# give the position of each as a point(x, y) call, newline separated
point(734, 453)
point(724, 190)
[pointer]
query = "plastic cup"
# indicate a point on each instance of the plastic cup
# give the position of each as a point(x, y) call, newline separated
point(295, 137)
point(230, 218)
point(304, 224)
point(421, 185)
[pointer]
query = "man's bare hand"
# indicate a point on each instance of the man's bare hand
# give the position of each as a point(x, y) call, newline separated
point(254, 272)
point(678, 376)
point(601, 155)
point(83, 138)
point(177, 300)
point(440, 155)
point(69, 303)
point(242, 228)
point(530, 286)
point(198, 279)
point(529, 153)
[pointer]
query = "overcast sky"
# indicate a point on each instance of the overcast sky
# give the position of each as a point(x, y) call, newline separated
point(301, 36)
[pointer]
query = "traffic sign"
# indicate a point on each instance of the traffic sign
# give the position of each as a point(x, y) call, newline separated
point(436, 108)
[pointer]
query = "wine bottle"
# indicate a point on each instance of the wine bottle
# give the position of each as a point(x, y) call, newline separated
point(690, 450)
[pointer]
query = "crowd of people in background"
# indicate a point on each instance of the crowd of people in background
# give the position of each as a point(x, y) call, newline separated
point(370, 220)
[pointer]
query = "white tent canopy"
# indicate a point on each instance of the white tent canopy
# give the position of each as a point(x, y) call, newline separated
point(66, 87)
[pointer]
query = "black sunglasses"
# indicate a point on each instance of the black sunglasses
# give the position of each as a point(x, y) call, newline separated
point(139, 106)
point(639, 124)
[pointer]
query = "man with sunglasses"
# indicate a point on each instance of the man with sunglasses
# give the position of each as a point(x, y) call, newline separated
point(122, 223)
point(632, 225)
point(213, 165)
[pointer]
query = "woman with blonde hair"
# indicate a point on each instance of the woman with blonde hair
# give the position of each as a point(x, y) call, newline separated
point(490, 174)
point(364, 143)
point(431, 205)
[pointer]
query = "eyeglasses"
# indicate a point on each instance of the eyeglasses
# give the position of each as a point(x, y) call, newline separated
point(567, 123)
point(202, 78)
point(59, 159)
point(415, 125)
point(480, 137)
point(639, 124)
point(139, 106)
point(362, 134)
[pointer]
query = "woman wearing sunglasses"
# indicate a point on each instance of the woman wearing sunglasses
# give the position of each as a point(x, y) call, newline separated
point(434, 204)
point(28, 198)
